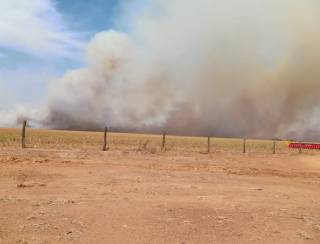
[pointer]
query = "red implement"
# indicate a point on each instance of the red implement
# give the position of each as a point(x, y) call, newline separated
point(311, 146)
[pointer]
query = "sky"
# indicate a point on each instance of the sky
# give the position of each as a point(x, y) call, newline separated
point(41, 39)
point(68, 60)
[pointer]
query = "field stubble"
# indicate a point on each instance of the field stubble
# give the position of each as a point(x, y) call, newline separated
point(137, 142)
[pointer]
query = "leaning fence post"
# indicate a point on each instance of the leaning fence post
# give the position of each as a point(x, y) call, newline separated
point(209, 144)
point(244, 145)
point(105, 141)
point(164, 141)
point(23, 134)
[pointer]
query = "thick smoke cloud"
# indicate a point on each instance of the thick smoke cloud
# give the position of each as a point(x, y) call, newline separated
point(225, 68)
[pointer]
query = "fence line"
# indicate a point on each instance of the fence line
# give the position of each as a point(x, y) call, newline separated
point(153, 143)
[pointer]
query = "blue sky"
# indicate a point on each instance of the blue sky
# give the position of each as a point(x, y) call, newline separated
point(42, 39)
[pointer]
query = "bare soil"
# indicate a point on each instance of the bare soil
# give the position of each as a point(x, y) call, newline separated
point(88, 196)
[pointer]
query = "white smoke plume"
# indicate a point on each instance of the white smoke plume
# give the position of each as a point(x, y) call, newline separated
point(14, 116)
point(206, 67)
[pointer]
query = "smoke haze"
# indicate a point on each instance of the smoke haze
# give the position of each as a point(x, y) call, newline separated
point(205, 67)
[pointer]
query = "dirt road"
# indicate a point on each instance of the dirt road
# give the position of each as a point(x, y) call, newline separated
point(86, 196)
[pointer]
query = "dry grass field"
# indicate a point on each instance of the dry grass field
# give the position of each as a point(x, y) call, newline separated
point(63, 189)
point(134, 142)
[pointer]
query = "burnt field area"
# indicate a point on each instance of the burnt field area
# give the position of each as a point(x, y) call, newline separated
point(63, 188)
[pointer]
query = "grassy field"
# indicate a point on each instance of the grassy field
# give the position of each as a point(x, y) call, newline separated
point(38, 138)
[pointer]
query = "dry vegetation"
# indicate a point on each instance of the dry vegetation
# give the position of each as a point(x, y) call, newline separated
point(63, 189)
point(125, 141)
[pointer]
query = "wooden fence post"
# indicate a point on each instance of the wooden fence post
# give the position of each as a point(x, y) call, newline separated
point(209, 144)
point(105, 141)
point(274, 146)
point(23, 134)
point(300, 147)
point(244, 145)
point(164, 141)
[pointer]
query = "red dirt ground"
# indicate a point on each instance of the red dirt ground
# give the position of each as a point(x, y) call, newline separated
point(86, 196)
